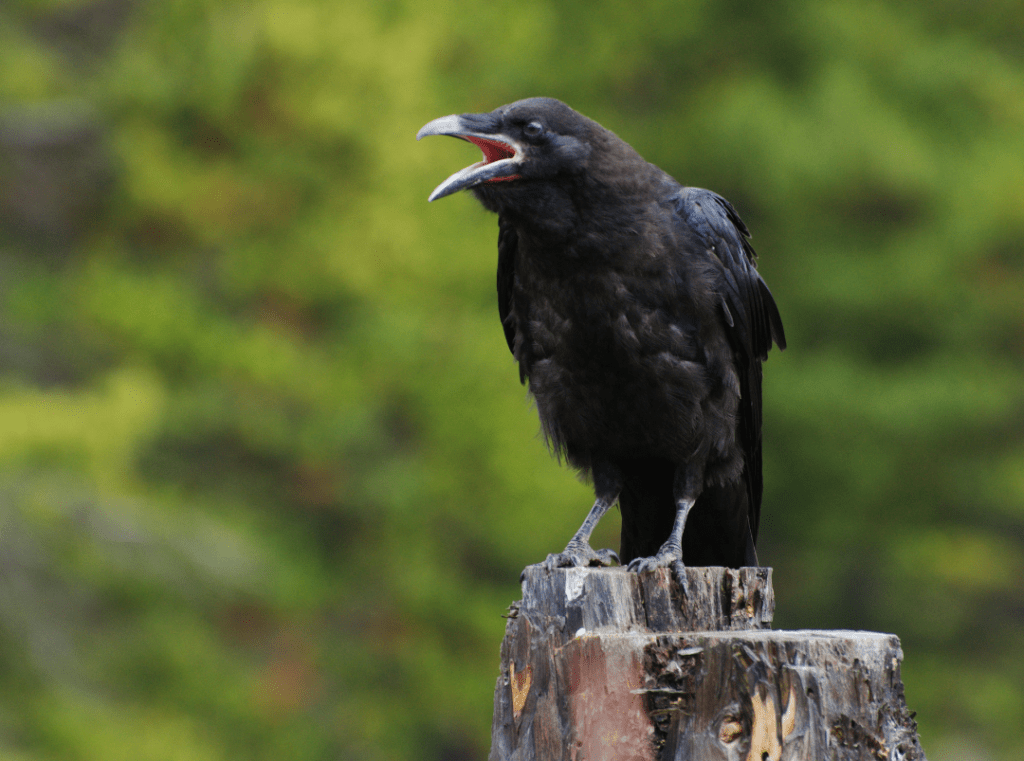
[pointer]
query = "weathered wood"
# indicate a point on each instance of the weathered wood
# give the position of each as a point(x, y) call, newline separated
point(603, 664)
point(716, 599)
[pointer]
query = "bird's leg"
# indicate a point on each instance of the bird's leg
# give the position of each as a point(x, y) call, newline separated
point(607, 485)
point(686, 487)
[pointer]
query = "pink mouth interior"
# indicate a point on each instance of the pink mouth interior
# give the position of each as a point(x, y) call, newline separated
point(494, 151)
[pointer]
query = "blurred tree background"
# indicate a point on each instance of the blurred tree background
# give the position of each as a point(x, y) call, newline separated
point(267, 478)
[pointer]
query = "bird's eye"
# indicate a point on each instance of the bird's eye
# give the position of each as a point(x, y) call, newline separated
point(533, 129)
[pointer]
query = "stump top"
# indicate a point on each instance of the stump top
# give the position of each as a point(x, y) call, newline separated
point(715, 599)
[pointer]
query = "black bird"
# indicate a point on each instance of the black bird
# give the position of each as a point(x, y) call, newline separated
point(634, 309)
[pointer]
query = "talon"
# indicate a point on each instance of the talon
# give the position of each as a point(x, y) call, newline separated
point(553, 561)
point(608, 557)
point(637, 565)
point(667, 557)
point(578, 556)
point(679, 569)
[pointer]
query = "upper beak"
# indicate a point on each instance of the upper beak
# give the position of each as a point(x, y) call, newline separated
point(502, 155)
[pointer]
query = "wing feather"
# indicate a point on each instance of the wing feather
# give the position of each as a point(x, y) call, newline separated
point(749, 312)
point(508, 246)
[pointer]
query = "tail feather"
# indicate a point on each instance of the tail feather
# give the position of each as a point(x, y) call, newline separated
point(648, 509)
point(718, 532)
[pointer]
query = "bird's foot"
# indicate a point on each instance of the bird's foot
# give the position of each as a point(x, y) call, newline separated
point(667, 557)
point(579, 554)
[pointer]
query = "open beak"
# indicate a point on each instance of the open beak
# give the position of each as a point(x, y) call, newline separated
point(502, 155)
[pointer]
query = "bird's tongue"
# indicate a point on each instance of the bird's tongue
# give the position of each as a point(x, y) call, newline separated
point(493, 149)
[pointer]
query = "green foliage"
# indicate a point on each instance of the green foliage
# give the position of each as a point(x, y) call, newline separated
point(267, 478)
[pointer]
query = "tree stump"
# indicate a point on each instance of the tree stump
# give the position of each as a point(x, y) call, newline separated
point(603, 664)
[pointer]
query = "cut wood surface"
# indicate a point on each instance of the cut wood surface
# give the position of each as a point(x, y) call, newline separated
point(599, 663)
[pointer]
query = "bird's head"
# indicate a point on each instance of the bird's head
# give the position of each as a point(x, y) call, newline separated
point(532, 139)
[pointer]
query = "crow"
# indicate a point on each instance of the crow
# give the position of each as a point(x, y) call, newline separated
point(634, 309)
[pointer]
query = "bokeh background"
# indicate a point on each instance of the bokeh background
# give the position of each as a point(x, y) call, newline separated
point(267, 477)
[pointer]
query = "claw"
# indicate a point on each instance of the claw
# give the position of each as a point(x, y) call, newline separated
point(667, 557)
point(579, 555)
point(608, 557)
point(679, 569)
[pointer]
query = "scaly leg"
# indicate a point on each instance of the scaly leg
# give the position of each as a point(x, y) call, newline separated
point(607, 485)
point(686, 487)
